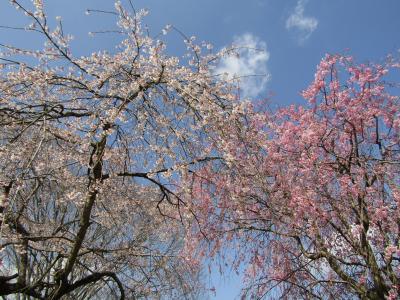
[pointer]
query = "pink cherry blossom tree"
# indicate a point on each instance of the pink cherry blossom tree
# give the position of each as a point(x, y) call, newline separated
point(309, 196)
point(92, 150)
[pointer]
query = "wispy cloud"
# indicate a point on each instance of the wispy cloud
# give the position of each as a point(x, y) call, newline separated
point(303, 25)
point(249, 66)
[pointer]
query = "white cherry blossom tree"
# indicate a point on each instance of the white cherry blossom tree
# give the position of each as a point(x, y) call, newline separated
point(91, 152)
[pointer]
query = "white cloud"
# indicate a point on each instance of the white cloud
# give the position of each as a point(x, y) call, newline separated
point(248, 67)
point(303, 25)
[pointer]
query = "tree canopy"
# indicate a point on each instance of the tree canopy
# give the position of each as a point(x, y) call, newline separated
point(122, 172)
point(309, 195)
point(91, 152)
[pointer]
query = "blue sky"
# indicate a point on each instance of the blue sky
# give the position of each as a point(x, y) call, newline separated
point(294, 34)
